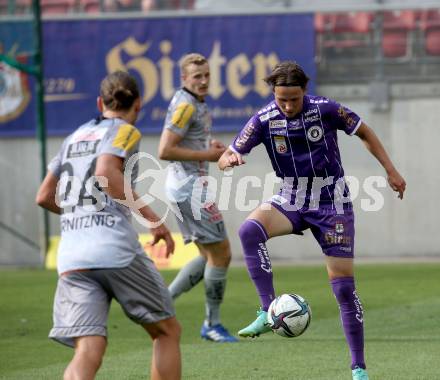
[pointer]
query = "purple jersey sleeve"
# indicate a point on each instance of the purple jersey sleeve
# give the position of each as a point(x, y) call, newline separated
point(344, 118)
point(249, 137)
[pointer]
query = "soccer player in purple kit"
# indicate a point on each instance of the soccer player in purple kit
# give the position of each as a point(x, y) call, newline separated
point(299, 132)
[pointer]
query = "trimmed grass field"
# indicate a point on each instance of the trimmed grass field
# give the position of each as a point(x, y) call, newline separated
point(402, 329)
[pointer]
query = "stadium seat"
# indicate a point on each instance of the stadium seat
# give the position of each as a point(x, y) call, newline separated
point(4, 7)
point(342, 33)
point(430, 26)
point(398, 29)
point(22, 6)
point(90, 6)
point(57, 6)
point(353, 22)
point(323, 22)
point(181, 4)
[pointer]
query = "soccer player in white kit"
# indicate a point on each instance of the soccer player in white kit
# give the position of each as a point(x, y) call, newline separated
point(99, 256)
point(186, 142)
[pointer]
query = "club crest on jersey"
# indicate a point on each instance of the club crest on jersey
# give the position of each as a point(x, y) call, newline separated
point(315, 133)
point(280, 144)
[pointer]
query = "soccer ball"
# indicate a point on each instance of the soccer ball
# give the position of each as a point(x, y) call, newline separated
point(289, 315)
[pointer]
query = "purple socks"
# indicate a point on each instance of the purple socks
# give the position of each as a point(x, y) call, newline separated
point(350, 308)
point(253, 238)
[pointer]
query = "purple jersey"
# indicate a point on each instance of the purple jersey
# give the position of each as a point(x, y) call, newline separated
point(303, 150)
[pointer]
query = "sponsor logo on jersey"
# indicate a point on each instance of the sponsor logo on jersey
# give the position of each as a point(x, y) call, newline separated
point(278, 132)
point(312, 111)
point(182, 114)
point(215, 214)
point(266, 109)
point(280, 144)
point(339, 228)
point(126, 138)
point(269, 115)
point(332, 238)
point(278, 199)
point(315, 133)
point(277, 123)
point(312, 119)
point(311, 116)
point(87, 221)
point(245, 135)
point(89, 134)
point(350, 122)
point(82, 148)
point(294, 125)
point(318, 101)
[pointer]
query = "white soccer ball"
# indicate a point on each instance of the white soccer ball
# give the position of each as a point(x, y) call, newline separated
point(289, 315)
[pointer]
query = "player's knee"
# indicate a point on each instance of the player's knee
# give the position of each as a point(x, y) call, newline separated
point(219, 254)
point(167, 328)
point(172, 330)
point(251, 231)
point(225, 249)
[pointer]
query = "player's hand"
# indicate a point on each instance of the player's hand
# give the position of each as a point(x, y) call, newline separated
point(397, 183)
point(162, 233)
point(215, 151)
point(218, 144)
point(230, 159)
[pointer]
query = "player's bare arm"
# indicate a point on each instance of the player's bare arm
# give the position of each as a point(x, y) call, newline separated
point(230, 159)
point(170, 150)
point(110, 168)
point(46, 195)
point(373, 144)
point(217, 144)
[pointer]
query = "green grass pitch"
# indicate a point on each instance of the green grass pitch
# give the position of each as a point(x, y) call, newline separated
point(402, 329)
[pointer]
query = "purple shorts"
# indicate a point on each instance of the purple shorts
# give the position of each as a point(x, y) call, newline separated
point(334, 232)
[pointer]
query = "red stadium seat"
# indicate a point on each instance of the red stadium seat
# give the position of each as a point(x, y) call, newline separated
point(339, 31)
point(90, 6)
point(3, 7)
point(397, 38)
point(57, 6)
point(353, 22)
point(181, 4)
point(324, 22)
point(430, 25)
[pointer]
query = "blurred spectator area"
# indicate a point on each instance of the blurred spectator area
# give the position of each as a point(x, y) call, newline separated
point(361, 46)
point(396, 45)
point(53, 7)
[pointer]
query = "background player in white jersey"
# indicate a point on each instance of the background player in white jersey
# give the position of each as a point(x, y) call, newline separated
point(299, 132)
point(99, 256)
point(186, 142)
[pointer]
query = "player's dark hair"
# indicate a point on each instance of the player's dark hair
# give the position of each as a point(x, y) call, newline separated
point(288, 74)
point(119, 90)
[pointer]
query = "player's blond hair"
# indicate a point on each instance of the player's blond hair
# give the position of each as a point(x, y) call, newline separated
point(191, 58)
